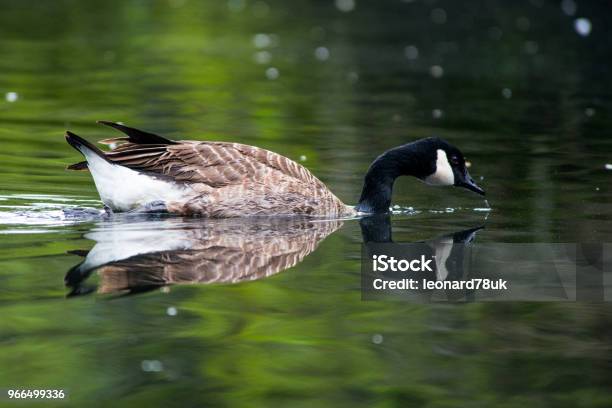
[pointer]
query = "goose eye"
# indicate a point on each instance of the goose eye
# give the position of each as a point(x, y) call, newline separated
point(454, 160)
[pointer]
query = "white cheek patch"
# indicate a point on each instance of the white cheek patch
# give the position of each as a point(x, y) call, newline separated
point(443, 176)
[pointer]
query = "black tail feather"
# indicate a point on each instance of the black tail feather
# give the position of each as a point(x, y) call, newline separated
point(78, 166)
point(138, 136)
point(81, 144)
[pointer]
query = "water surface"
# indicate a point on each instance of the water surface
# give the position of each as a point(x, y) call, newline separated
point(515, 86)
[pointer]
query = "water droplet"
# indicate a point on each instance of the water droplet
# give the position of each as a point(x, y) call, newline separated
point(261, 40)
point(322, 53)
point(352, 76)
point(569, 7)
point(482, 209)
point(262, 57)
point(303, 158)
point(149, 366)
point(436, 71)
point(411, 52)
point(171, 311)
point(608, 166)
point(507, 93)
point(438, 16)
point(377, 339)
point(437, 113)
point(345, 5)
point(450, 210)
point(11, 96)
point(596, 188)
point(590, 112)
point(582, 26)
point(272, 73)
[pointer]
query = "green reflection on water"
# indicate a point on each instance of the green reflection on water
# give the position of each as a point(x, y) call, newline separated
point(188, 70)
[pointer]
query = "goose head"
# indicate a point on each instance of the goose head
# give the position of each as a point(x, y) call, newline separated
point(431, 160)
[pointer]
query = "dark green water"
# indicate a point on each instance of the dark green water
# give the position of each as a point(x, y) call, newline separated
point(513, 84)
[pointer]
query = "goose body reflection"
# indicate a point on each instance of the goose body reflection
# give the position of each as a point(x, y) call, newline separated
point(144, 254)
point(136, 257)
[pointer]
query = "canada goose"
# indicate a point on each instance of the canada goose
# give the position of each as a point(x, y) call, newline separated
point(141, 256)
point(148, 173)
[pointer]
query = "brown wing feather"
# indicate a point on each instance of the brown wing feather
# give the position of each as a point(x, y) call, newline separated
point(215, 164)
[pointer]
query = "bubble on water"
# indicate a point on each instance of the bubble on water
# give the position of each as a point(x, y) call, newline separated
point(590, 112)
point(608, 166)
point(411, 52)
point(436, 71)
point(582, 26)
point(377, 338)
point(396, 117)
point(272, 73)
point(236, 5)
point(262, 57)
point(171, 311)
point(150, 366)
point(352, 76)
point(321, 53)
point(569, 7)
point(523, 23)
point(507, 93)
point(450, 210)
point(303, 158)
point(438, 16)
point(261, 40)
point(531, 47)
point(11, 96)
point(596, 188)
point(437, 113)
point(345, 5)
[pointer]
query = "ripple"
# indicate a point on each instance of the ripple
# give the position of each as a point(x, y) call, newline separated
point(44, 210)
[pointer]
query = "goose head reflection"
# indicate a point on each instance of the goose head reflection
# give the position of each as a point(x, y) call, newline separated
point(449, 251)
point(141, 256)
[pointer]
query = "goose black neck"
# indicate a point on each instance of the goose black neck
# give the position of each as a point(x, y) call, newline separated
point(378, 182)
